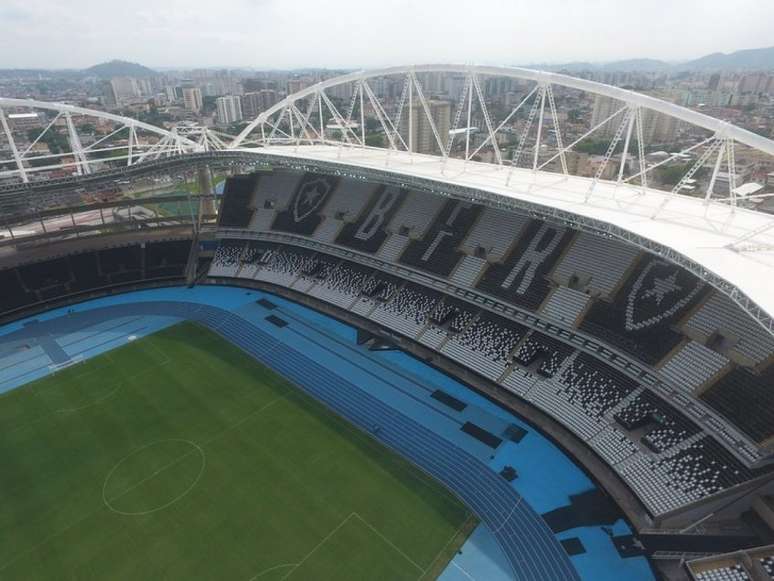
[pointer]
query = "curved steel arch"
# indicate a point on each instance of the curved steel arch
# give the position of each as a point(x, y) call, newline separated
point(718, 127)
point(63, 107)
point(169, 142)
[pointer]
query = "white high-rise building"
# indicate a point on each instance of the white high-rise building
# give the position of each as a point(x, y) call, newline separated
point(229, 109)
point(192, 99)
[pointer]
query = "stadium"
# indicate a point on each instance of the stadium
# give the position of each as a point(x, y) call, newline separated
point(376, 337)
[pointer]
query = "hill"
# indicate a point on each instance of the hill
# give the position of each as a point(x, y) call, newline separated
point(756, 58)
point(749, 59)
point(118, 68)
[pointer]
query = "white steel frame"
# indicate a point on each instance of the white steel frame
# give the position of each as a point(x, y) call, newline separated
point(543, 108)
point(80, 159)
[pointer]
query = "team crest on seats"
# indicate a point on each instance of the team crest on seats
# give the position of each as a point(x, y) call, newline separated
point(657, 294)
point(310, 197)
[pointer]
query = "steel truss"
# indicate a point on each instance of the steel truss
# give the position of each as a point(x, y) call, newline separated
point(473, 115)
point(121, 141)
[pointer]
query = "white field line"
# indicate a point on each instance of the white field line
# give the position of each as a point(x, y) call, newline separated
point(196, 448)
point(108, 501)
point(118, 385)
point(270, 569)
point(318, 545)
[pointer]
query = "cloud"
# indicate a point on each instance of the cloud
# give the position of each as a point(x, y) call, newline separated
point(365, 33)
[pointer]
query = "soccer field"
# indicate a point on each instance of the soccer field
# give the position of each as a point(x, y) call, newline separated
point(178, 456)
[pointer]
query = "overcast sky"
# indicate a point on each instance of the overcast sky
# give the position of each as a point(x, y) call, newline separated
point(363, 33)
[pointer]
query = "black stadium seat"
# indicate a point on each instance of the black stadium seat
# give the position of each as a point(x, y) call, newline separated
point(597, 386)
point(747, 399)
point(522, 278)
point(235, 211)
point(369, 231)
point(85, 272)
point(303, 214)
point(665, 426)
point(437, 251)
point(656, 295)
point(51, 275)
point(549, 351)
point(13, 294)
point(63, 277)
point(121, 265)
point(166, 259)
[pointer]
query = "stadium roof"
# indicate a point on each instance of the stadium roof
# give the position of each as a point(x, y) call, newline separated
point(733, 248)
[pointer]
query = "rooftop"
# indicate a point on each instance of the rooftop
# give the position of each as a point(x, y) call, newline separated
point(736, 245)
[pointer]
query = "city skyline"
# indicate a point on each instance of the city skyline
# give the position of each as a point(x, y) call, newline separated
point(270, 35)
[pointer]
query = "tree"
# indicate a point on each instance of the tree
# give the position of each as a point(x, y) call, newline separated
point(574, 116)
point(56, 142)
point(375, 140)
point(672, 175)
point(154, 117)
point(208, 104)
point(594, 146)
point(236, 128)
point(372, 124)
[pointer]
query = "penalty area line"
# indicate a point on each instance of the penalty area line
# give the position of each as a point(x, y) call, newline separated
point(318, 545)
point(275, 568)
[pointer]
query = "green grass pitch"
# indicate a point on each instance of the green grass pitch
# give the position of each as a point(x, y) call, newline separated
point(178, 456)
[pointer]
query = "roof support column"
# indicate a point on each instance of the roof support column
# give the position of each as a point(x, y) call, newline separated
point(540, 129)
point(76, 147)
point(625, 152)
point(12, 144)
